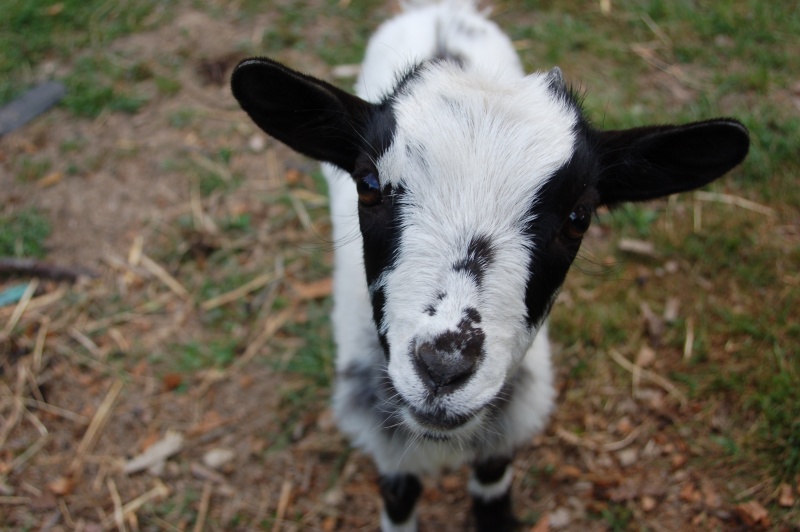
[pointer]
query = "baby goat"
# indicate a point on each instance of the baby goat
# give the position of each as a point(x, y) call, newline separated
point(472, 186)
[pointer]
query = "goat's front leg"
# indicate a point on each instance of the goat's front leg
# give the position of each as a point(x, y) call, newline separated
point(490, 487)
point(400, 493)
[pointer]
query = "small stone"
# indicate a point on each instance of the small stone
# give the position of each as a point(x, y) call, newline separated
point(785, 496)
point(216, 458)
point(628, 457)
point(648, 503)
point(257, 143)
point(560, 518)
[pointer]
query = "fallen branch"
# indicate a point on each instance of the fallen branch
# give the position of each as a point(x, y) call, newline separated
point(44, 270)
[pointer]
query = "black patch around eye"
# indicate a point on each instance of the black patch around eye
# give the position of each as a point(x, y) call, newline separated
point(556, 237)
point(377, 214)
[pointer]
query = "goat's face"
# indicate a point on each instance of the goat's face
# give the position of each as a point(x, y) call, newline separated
point(462, 255)
point(473, 199)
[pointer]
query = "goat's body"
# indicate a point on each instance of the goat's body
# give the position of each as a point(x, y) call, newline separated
point(360, 401)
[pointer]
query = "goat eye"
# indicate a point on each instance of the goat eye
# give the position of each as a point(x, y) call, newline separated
point(578, 223)
point(369, 190)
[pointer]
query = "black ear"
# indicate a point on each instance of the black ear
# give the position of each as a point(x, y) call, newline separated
point(307, 114)
point(651, 162)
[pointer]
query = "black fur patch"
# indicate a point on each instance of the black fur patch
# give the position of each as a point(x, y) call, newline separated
point(479, 257)
point(575, 183)
point(495, 515)
point(400, 494)
point(491, 470)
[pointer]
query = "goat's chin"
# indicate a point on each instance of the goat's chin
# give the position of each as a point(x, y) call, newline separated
point(441, 426)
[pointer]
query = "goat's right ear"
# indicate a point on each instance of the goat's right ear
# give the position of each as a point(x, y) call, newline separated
point(308, 115)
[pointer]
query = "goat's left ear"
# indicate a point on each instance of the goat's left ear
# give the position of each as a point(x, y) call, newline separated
point(651, 162)
point(305, 113)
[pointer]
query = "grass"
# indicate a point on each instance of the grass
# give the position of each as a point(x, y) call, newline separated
point(94, 85)
point(23, 234)
point(32, 32)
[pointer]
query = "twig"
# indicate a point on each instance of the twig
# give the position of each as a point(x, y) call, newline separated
point(55, 410)
point(302, 213)
point(649, 375)
point(737, 201)
point(163, 275)
point(283, 504)
point(203, 511)
point(211, 166)
point(202, 222)
point(86, 342)
point(574, 439)
point(688, 344)
point(28, 454)
point(36, 422)
point(95, 426)
point(159, 491)
point(38, 347)
point(119, 516)
point(15, 500)
point(19, 310)
point(12, 420)
point(43, 270)
point(122, 317)
point(649, 56)
point(135, 252)
point(237, 293)
point(271, 326)
point(655, 28)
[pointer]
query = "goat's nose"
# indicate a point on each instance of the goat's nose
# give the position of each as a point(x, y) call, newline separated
point(447, 362)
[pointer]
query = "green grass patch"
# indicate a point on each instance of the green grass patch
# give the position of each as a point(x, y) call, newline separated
point(314, 359)
point(31, 32)
point(195, 356)
point(96, 84)
point(24, 234)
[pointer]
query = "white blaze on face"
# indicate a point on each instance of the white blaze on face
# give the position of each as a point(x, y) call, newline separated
point(470, 156)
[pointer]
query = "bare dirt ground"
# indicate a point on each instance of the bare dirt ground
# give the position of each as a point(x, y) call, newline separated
point(93, 376)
